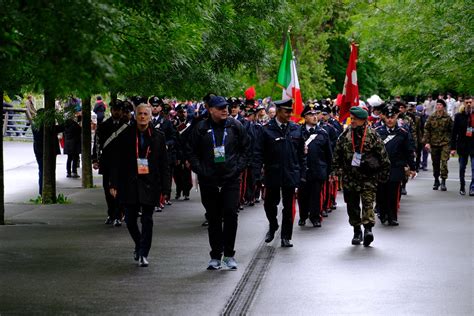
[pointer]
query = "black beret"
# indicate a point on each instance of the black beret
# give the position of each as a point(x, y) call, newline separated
point(284, 104)
point(441, 101)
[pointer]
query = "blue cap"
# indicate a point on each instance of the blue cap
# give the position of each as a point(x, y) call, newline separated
point(217, 102)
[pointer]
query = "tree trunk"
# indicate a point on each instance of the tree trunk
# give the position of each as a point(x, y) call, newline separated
point(87, 180)
point(50, 143)
point(2, 184)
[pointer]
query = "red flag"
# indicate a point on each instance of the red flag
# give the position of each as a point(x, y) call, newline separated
point(250, 93)
point(350, 93)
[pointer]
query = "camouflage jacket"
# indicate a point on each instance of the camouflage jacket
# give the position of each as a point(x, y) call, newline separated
point(437, 130)
point(354, 178)
point(405, 121)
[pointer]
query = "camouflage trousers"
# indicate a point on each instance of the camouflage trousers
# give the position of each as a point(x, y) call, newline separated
point(353, 200)
point(440, 157)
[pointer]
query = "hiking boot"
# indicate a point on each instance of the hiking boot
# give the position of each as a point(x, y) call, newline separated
point(436, 184)
point(357, 239)
point(368, 235)
point(443, 185)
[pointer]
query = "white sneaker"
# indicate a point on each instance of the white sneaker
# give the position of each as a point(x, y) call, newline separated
point(230, 263)
point(214, 264)
point(143, 262)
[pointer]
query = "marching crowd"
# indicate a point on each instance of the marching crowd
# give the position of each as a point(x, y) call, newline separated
point(246, 151)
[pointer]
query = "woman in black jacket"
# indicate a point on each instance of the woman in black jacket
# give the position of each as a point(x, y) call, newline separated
point(72, 144)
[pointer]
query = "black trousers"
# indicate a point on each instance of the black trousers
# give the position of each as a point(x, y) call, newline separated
point(183, 180)
point(142, 239)
point(72, 162)
point(309, 200)
point(113, 210)
point(272, 199)
point(249, 186)
point(221, 212)
point(387, 200)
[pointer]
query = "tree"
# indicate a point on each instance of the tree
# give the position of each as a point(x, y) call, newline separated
point(419, 46)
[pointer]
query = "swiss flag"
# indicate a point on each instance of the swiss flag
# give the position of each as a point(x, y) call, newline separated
point(350, 93)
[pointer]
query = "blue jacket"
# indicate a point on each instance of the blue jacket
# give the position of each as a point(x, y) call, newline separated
point(319, 154)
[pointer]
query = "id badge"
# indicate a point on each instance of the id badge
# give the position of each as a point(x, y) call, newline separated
point(469, 131)
point(219, 154)
point(142, 165)
point(356, 159)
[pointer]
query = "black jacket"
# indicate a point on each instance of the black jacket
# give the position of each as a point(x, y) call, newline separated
point(200, 152)
point(459, 141)
point(103, 133)
point(133, 188)
point(319, 154)
point(72, 137)
point(400, 150)
point(164, 125)
point(281, 154)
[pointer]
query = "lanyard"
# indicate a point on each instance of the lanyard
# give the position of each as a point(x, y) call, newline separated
point(147, 148)
point(214, 137)
point(362, 143)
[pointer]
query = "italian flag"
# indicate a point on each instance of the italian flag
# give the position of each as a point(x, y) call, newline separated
point(288, 80)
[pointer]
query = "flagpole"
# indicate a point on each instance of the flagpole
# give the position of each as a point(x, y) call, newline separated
point(287, 36)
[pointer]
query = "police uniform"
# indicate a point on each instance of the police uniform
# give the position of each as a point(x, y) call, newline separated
point(318, 160)
point(360, 157)
point(401, 153)
point(280, 150)
point(218, 152)
point(182, 173)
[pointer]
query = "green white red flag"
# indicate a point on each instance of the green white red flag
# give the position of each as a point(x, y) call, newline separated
point(288, 80)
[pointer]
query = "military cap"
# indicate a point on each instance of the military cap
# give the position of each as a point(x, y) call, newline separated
point(217, 102)
point(138, 99)
point(234, 102)
point(284, 104)
point(324, 108)
point(127, 106)
point(180, 107)
point(250, 112)
point(441, 101)
point(155, 101)
point(116, 104)
point(390, 110)
point(359, 112)
point(309, 109)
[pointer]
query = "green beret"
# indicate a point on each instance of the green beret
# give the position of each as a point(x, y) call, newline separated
point(359, 112)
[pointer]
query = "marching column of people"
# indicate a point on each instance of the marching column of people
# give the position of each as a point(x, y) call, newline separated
point(241, 152)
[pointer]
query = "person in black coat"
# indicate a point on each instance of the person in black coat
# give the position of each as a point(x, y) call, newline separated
point(72, 144)
point(280, 149)
point(218, 150)
point(318, 159)
point(163, 124)
point(401, 152)
point(462, 141)
point(139, 174)
point(182, 171)
point(106, 133)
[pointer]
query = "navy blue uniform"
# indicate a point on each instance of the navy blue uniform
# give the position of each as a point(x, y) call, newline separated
point(281, 151)
point(399, 147)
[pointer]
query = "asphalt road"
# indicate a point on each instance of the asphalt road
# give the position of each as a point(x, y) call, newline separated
point(62, 259)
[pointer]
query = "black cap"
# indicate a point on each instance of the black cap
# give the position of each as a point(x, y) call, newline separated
point(234, 102)
point(309, 108)
point(180, 107)
point(217, 102)
point(127, 106)
point(325, 108)
point(390, 110)
point(116, 105)
point(284, 104)
point(250, 112)
point(155, 101)
point(138, 99)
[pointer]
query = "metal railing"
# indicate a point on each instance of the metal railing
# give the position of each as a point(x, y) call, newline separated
point(16, 124)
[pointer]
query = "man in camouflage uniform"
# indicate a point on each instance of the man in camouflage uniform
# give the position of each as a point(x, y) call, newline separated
point(437, 139)
point(361, 158)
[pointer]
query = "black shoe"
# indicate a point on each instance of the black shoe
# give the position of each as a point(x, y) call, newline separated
point(108, 221)
point(257, 201)
point(357, 239)
point(301, 222)
point(117, 223)
point(68, 175)
point(462, 190)
point(143, 262)
point(403, 191)
point(443, 185)
point(158, 209)
point(75, 175)
point(324, 214)
point(286, 243)
point(471, 192)
point(205, 223)
point(368, 236)
point(436, 184)
point(168, 202)
point(333, 207)
point(251, 204)
point(136, 256)
point(270, 235)
point(241, 208)
point(393, 223)
point(316, 223)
